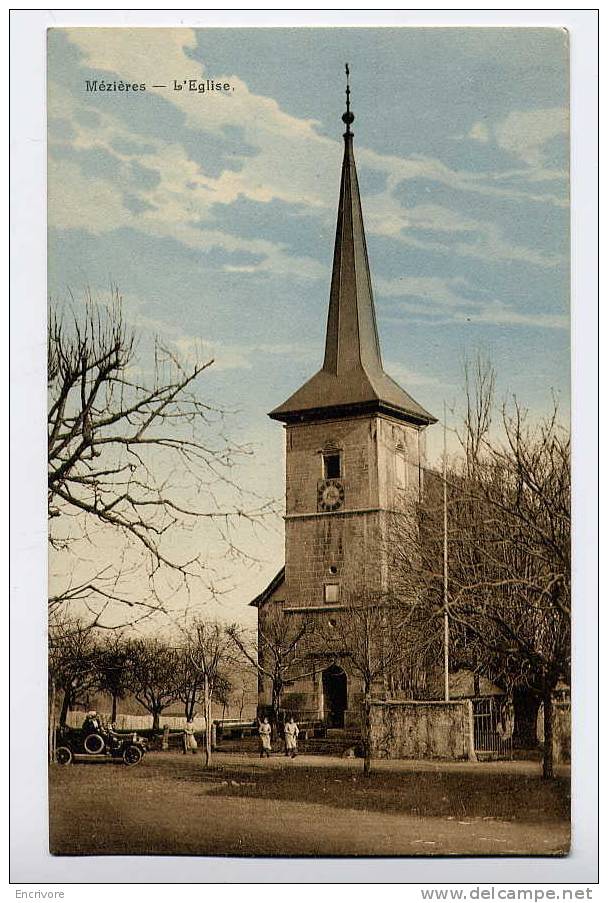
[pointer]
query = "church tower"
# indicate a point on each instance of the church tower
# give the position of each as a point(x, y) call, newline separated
point(354, 453)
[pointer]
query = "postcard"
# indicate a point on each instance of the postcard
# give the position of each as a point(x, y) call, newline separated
point(309, 449)
point(309, 441)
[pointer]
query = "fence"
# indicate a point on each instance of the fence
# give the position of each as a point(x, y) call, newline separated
point(493, 723)
point(140, 722)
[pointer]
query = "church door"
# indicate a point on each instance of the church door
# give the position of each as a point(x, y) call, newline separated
point(334, 696)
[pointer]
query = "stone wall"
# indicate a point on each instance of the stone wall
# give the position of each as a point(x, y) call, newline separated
point(562, 731)
point(422, 730)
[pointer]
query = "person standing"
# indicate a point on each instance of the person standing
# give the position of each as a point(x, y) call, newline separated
point(291, 738)
point(190, 744)
point(265, 733)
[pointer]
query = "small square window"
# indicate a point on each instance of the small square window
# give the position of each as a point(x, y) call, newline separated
point(332, 592)
point(331, 467)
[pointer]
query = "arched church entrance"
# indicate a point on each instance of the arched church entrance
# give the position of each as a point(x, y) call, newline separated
point(335, 697)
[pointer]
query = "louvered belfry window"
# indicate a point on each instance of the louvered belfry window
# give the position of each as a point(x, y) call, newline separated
point(332, 469)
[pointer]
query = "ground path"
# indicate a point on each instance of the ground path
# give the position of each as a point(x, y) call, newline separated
point(312, 805)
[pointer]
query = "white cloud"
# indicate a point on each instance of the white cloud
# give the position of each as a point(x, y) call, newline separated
point(172, 208)
point(496, 313)
point(441, 291)
point(525, 134)
point(76, 201)
point(192, 348)
point(407, 377)
point(479, 132)
point(181, 205)
point(158, 56)
point(224, 357)
point(240, 355)
point(443, 300)
point(401, 169)
point(385, 216)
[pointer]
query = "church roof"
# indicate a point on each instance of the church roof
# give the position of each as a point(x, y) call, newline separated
point(352, 378)
point(266, 593)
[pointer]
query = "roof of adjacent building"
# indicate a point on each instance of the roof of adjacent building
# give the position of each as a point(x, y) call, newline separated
point(266, 593)
point(352, 379)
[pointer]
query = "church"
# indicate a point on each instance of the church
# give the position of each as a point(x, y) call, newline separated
point(355, 449)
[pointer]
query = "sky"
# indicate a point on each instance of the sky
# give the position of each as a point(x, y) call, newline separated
point(214, 213)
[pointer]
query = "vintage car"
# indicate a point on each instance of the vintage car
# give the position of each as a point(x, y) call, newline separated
point(73, 744)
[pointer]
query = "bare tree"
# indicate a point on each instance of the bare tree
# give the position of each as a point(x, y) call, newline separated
point(479, 389)
point(73, 652)
point(142, 459)
point(241, 697)
point(224, 689)
point(188, 681)
point(279, 654)
point(211, 653)
point(511, 559)
point(509, 548)
point(113, 665)
point(152, 679)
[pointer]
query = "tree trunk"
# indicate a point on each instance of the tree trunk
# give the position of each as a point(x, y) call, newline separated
point(525, 703)
point(52, 721)
point(367, 732)
point(114, 707)
point(207, 698)
point(190, 702)
point(276, 704)
point(65, 708)
point(156, 719)
point(548, 751)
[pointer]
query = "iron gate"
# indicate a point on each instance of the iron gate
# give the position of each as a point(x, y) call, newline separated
point(493, 723)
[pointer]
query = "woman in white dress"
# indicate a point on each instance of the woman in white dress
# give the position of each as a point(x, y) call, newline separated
point(265, 732)
point(190, 744)
point(291, 738)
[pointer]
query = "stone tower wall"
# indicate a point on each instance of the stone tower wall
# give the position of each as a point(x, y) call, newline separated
point(347, 546)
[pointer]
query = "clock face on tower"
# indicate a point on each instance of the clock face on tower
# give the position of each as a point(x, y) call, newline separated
point(330, 495)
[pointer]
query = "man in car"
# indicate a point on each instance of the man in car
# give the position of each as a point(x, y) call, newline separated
point(91, 724)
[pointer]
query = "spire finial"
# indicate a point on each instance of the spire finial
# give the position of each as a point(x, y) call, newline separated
point(348, 117)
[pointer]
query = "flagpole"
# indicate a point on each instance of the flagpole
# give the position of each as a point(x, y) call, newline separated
point(446, 626)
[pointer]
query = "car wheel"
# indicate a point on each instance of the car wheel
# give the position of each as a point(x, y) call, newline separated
point(63, 755)
point(132, 755)
point(94, 744)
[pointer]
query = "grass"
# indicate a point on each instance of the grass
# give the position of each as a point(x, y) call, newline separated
point(506, 796)
point(172, 804)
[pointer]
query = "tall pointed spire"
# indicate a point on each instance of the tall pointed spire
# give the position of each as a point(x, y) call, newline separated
point(352, 378)
point(352, 335)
